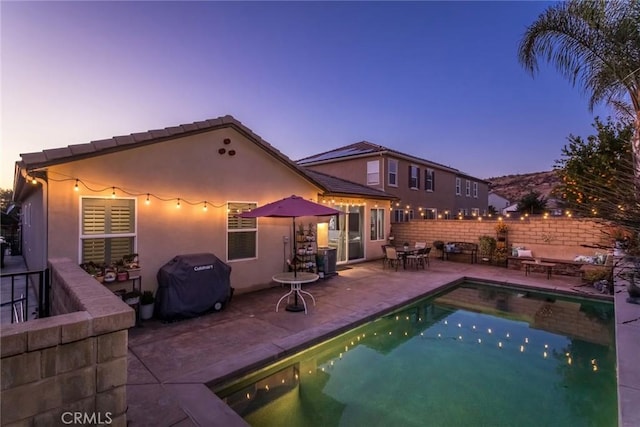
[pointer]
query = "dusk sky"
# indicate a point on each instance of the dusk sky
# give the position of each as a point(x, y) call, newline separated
point(438, 80)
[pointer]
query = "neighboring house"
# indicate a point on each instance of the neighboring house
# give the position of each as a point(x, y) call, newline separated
point(512, 208)
point(498, 202)
point(178, 190)
point(425, 189)
point(555, 207)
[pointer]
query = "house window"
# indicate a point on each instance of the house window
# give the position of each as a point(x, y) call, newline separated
point(475, 190)
point(468, 188)
point(429, 180)
point(398, 215)
point(430, 213)
point(373, 172)
point(377, 224)
point(108, 229)
point(393, 172)
point(475, 212)
point(241, 232)
point(414, 177)
point(458, 185)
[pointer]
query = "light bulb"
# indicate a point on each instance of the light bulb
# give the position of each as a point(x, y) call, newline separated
point(147, 201)
point(178, 204)
point(205, 206)
point(113, 192)
point(76, 188)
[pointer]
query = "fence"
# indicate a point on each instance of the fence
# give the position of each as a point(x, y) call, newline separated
point(16, 289)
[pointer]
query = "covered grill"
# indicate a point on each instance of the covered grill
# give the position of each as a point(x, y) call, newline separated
point(192, 284)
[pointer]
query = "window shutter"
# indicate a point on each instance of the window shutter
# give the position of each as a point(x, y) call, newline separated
point(93, 219)
point(93, 250)
point(121, 219)
point(433, 180)
point(409, 176)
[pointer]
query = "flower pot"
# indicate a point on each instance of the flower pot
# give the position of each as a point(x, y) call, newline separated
point(122, 276)
point(132, 300)
point(146, 311)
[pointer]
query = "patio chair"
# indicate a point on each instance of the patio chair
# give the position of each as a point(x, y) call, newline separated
point(392, 257)
point(420, 258)
point(384, 256)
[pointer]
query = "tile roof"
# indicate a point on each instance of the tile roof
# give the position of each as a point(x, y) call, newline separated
point(356, 149)
point(123, 142)
point(366, 148)
point(49, 157)
point(339, 186)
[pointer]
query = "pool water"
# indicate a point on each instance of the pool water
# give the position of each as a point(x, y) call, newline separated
point(478, 355)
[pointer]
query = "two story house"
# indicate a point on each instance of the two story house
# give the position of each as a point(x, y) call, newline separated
point(425, 189)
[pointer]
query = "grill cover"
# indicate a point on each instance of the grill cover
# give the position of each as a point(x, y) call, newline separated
point(192, 284)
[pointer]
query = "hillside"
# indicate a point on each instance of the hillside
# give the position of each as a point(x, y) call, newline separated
point(514, 187)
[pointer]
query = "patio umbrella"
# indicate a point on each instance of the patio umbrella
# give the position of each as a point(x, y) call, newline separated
point(291, 207)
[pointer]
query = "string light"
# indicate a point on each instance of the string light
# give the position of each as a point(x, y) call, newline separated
point(147, 196)
point(178, 204)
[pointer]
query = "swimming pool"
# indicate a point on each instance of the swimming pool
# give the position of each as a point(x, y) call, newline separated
point(474, 355)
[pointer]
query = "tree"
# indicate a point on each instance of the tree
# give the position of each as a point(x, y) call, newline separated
point(533, 203)
point(6, 195)
point(597, 175)
point(595, 42)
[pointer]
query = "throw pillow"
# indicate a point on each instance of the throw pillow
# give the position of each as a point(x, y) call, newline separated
point(524, 253)
point(515, 249)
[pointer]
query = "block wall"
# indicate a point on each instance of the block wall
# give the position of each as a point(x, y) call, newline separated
point(550, 231)
point(72, 362)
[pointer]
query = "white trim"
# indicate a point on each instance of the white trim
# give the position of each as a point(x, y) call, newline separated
point(82, 236)
point(396, 163)
point(227, 231)
point(373, 171)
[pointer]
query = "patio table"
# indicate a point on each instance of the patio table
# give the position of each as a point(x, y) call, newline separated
point(547, 265)
point(295, 280)
point(401, 251)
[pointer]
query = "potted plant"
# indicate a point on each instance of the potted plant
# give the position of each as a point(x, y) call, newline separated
point(132, 298)
point(501, 230)
point(147, 304)
point(487, 246)
point(122, 274)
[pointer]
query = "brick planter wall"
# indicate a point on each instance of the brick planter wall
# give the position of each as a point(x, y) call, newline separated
point(74, 361)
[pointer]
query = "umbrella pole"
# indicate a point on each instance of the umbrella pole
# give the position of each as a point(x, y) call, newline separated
point(295, 250)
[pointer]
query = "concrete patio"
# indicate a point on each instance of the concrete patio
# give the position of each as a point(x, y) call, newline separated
point(170, 365)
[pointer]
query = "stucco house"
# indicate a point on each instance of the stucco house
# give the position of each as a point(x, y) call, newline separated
point(425, 189)
point(498, 201)
point(178, 190)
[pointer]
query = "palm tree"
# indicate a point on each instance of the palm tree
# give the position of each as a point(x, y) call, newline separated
point(595, 43)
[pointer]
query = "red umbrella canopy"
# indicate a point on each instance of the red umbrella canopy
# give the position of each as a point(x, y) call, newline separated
point(290, 207)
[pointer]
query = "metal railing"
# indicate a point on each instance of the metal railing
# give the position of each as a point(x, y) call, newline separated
point(22, 283)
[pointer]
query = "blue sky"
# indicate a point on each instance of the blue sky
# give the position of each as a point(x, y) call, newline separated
point(439, 80)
